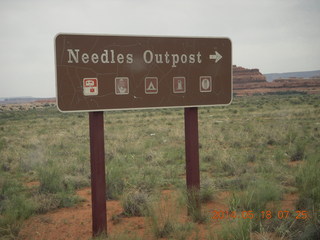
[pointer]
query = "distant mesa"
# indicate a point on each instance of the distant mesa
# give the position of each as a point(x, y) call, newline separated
point(309, 74)
point(243, 75)
point(18, 100)
point(251, 81)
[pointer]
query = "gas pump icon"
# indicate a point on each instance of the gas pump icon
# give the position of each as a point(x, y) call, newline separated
point(90, 86)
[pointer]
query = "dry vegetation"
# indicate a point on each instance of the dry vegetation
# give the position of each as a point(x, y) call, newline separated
point(257, 151)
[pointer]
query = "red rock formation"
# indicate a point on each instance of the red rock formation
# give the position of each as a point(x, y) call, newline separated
point(251, 81)
point(242, 75)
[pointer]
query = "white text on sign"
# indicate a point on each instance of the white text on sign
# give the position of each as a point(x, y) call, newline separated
point(111, 57)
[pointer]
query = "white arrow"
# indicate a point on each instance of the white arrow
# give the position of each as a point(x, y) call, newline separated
point(215, 56)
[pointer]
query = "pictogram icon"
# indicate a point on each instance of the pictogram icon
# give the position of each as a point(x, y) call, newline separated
point(179, 85)
point(205, 84)
point(90, 86)
point(121, 85)
point(151, 85)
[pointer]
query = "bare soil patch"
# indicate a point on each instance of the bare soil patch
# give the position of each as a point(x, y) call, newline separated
point(75, 222)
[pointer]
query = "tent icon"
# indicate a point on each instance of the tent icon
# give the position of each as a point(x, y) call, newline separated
point(151, 85)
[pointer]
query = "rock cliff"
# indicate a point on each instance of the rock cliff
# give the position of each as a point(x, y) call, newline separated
point(243, 75)
point(251, 81)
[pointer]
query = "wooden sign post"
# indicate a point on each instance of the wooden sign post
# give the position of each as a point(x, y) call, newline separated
point(98, 179)
point(192, 158)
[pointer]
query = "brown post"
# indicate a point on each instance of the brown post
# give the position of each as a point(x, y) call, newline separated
point(192, 158)
point(98, 182)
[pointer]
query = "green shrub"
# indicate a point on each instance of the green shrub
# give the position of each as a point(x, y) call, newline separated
point(135, 203)
point(206, 190)
point(163, 231)
point(234, 202)
point(192, 198)
point(19, 207)
point(240, 229)
point(161, 220)
point(310, 231)
point(15, 207)
point(51, 178)
point(55, 190)
point(8, 189)
point(299, 151)
point(252, 156)
point(256, 196)
point(182, 230)
point(292, 228)
point(45, 202)
point(308, 183)
point(13, 200)
point(76, 182)
point(146, 180)
point(228, 166)
point(115, 180)
point(9, 228)
point(67, 199)
point(3, 143)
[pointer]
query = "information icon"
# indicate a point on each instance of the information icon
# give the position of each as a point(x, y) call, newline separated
point(205, 84)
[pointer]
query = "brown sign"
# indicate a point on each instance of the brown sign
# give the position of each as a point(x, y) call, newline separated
point(97, 72)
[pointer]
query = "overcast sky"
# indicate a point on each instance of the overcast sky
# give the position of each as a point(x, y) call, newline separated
point(272, 35)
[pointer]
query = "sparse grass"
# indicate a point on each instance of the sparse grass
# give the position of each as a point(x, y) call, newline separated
point(115, 179)
point(249, 148)
point(309, 189)
point(135, 203)
point(308, 183)
point(162, 222)
point(163, 219)
point(256, 196)
point(191, 199)
point(51, 178)
point(237, 229)
point(298, 153)
point(207, 190)
point(15, 206)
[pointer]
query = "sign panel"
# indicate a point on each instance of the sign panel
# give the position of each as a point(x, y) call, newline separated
point(97, 72)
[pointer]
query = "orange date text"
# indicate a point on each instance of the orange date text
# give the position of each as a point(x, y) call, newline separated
point(267, 214)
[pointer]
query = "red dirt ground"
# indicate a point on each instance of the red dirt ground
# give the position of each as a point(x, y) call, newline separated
point(75, 223)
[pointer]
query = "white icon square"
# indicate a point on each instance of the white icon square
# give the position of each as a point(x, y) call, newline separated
point(179, 85)
point(151, 85)
point(90, 86)
point(205, 84)
point(121, 85)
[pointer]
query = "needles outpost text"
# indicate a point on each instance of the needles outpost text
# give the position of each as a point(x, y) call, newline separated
point(148, 56)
